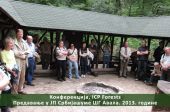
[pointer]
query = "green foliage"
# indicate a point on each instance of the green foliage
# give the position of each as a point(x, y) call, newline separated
point(117, 7)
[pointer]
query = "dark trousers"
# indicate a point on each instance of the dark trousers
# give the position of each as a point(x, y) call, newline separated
point(45, 60)
point(61, 69)
point(93, 62)
point(154, 79)
point(30, 70)
point(165, 75)
point(141, 70)
point(134, 65)
point(89, 69)
point(83, 65)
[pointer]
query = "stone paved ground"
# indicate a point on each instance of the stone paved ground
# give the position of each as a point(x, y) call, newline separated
point(51, 85)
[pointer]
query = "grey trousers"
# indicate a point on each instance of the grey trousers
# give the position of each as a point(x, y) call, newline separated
point(123, 67)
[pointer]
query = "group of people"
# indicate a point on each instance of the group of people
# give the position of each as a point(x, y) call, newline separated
point(73, 58)
point(83, 59)
point(18, 61)
point(17, 64)
point(141, 65)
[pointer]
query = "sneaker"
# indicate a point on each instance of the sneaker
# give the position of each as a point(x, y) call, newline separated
point(82, 75)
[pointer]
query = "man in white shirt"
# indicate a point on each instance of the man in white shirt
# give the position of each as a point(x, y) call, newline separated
point(165, 63)
point(125, 54)
point(31, 61)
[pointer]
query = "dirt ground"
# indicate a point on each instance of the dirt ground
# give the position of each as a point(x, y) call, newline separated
point(51, 85)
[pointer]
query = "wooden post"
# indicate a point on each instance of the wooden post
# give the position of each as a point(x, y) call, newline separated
point(125, 39)
point(25, 34)
point(3, 34)
point(0, 33)
point(112, 44)
point(87, 39)
point(51, 43)
point(163, 42)
point(57, 37)
point(121, 43)
point(149, 43)
point(98, 49)
point(6, 33)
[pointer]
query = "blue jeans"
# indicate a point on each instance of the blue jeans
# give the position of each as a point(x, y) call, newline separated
point(71, 65)
point(30, 70)
point(106, 60)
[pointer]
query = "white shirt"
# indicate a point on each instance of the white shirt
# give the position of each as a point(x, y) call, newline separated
point(165, 59)
point(31, 49)
point(84, 54)
point(5, 77)
point(123, 54)
point(61, 53)
point(72, 53)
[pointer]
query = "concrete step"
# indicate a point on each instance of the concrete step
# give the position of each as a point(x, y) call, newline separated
point(39, 72)
point(43, 73)
point(101, 71)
